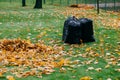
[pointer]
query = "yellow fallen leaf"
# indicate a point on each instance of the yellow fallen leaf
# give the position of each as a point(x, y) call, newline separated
point(98, 69)
point(118, 70)
point(107, 66)
point(88, 49)
point(109, 79)
point(1, 74)
point(10, 78)
point(119, 53)
point(86, 78)
point(63, 70)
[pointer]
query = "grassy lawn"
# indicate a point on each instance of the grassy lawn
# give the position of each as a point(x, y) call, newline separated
point(99, 60)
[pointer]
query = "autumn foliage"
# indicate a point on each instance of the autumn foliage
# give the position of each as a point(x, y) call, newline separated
point(82, 10)
point(82, 6)
point(22, 54)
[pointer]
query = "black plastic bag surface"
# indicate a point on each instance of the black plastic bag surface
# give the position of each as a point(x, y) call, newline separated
point(87, 30)
point(77, 31)
point(71, 31)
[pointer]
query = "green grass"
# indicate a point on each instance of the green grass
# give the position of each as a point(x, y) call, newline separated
point(29, 23)
point(63, 2)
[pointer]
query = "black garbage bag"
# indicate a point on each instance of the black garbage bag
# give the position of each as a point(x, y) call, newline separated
point(65, 28)
point(72, 31)
point(76, 31)
point(87, 30)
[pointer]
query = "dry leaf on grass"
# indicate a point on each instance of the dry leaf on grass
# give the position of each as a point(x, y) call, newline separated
point(86, 78)
point(10, 78)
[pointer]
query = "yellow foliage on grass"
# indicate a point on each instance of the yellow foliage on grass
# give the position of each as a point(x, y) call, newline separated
point(86, 78)
point(38, 57)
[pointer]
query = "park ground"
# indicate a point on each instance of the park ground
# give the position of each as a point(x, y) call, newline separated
point(31, 47)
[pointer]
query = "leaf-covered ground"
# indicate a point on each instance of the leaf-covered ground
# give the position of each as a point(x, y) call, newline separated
point(31, 46)
point(29, 59)
point(86, 11)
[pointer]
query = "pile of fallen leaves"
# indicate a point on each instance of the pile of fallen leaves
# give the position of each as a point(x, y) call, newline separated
point(82, 6)
point(29, 59)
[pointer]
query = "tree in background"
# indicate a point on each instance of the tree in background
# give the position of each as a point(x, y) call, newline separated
point(98, 7)
point(23, 3)
point(38, 4)
point(44, 1)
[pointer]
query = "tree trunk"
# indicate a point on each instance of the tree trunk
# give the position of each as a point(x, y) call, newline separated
point(98, 7)
point(44, 1)
point(38, 4)
point(23, 3)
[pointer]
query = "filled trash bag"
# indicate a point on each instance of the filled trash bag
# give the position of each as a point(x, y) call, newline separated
point(76, 31)
point(87, 30)
point(72, 31)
